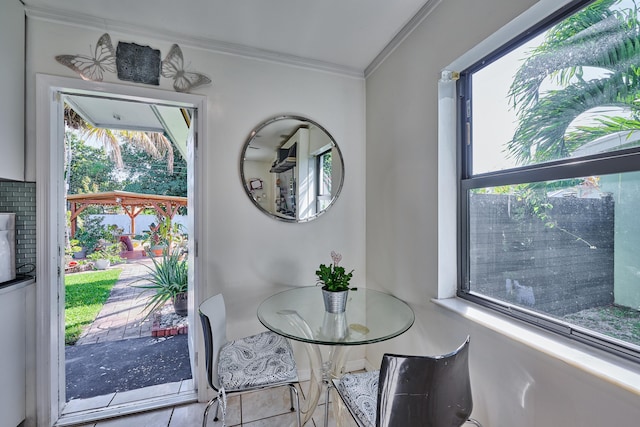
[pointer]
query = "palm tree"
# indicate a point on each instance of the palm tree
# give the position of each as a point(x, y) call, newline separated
point(155, 144)
point(597, 37)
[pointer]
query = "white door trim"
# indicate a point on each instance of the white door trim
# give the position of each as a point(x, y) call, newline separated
point(49, 232)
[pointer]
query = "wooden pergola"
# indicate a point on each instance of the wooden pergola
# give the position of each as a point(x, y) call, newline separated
point(132, 203)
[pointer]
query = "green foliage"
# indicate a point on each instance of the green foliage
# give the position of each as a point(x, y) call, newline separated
point(145, 174)
point(91, 233)
point(168, 278)
point(165, 233)
point(75, 246)
point(537, 204)
point(333, 277)
point(109, 252)
point(90, 168)
point(85, 294)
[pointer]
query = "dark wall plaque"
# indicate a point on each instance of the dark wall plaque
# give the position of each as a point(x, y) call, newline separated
point(140, 64)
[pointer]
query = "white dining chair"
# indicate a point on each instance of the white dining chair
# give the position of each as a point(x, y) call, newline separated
point(259, 361)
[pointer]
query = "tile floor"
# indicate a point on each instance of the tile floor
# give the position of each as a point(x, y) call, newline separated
point(266, 408)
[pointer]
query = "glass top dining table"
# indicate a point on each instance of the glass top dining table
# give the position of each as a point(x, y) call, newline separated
point(299, 314)
point(370, 316)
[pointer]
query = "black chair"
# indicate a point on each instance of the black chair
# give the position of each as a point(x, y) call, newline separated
point(411, 391)
point(260, 361)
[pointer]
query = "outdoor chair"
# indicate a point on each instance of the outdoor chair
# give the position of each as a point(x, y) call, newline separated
point(259, 361)
point(411, 391)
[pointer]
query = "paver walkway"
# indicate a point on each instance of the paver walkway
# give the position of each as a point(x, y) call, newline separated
point(122, 315)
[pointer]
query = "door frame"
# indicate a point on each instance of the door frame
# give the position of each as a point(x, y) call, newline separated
point(49, 122)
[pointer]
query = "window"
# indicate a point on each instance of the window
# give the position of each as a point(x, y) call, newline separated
point(325, 169)
point(550, 176)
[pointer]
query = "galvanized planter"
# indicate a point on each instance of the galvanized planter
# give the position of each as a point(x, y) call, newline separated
point(335, 302)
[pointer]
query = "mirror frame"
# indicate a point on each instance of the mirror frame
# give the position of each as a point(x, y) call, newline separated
point(243, 178)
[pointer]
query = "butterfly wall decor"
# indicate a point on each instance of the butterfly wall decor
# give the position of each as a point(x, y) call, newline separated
point(93, 67)
point(183, 80)
point(105, 58)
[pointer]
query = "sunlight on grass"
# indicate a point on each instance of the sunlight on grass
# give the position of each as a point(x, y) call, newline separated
point(85, 294)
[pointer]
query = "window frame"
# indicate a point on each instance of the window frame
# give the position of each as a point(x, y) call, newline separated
point(621, 161)
point(320, 196)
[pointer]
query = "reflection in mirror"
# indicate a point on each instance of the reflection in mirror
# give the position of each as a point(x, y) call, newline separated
point(291, 168)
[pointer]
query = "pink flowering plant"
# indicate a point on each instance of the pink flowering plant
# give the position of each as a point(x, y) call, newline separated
point(333, 277)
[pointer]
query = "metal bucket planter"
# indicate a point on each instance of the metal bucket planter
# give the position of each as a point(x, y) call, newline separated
point(335, 302)
point(80, 254)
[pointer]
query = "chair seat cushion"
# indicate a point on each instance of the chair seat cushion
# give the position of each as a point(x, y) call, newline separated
point(256, 361)
point(360, 393)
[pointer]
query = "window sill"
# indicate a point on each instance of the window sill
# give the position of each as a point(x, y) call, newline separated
point(610, 368)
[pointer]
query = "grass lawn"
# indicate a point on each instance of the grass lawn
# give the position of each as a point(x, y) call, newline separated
point(85, 295)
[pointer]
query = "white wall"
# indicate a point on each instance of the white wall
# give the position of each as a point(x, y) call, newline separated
point(520, 376)
point(249, 256)
point(245, 254)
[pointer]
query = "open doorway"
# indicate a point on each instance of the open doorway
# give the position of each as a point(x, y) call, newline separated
point(126, 244)
point(188, 107)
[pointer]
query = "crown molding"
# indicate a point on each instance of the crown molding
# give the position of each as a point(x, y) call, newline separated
point(92, 22)
point(413, 23)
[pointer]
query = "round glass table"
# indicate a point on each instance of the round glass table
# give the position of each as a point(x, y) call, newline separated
point(299, 314)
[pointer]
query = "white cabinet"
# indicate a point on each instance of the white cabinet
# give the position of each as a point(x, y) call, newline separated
point(13, 305)
point(12, 52)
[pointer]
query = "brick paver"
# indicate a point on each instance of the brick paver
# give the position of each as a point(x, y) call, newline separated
point(122, 315)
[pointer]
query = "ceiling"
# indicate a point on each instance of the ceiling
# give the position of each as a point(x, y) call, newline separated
point(341, 35)
point(346, 36)
point(269, 138)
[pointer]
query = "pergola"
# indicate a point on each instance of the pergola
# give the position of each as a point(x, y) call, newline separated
point(132, 203)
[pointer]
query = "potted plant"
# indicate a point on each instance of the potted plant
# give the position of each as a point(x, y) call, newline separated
point(77, 250)
point(105, 255)
point(100, 261)
point(91, 233)
point(165, 236)
point(335, 284)
point(169, 279)
point(154, 242)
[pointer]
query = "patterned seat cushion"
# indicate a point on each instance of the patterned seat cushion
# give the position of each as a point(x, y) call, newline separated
point(256, 361)
point(360, 394)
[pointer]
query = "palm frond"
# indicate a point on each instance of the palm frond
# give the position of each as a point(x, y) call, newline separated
point(72, 119)
point(156, 144)
point(594, 37)
point(540, 135)
point(606, 126)
point(153, 143)
point(109, 140)
point(597, 36)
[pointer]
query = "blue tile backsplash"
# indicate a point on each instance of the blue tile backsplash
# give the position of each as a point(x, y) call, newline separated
point(20, 197)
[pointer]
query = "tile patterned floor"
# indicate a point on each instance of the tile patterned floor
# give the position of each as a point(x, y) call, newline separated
point(268, 408)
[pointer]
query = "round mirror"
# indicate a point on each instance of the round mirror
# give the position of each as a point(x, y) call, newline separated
point(291, 168)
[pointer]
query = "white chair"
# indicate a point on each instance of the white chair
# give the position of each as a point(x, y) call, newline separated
point(260, 361)
point(411, 391)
